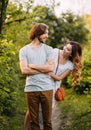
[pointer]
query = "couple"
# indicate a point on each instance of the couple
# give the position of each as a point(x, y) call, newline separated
point(38, 62)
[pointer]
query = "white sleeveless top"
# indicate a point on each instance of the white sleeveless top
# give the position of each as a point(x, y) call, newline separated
point(61, 68)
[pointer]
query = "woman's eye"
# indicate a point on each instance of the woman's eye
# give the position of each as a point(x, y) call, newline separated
point(68, 49)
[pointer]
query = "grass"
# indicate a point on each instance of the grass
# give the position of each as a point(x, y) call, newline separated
point(75, 111)
point(17, 122)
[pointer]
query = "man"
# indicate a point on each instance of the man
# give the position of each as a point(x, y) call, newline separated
point(38, 86)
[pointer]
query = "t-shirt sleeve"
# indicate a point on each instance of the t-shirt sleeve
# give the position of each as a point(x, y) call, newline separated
point(70, 65)
point(55, 56)
point(55, 53)
point(49, 52)
point(22, 54)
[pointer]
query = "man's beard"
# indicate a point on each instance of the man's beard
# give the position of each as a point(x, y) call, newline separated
point(40, 40)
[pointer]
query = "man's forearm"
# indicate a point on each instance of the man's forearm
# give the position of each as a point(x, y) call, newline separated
point(43, 68)
point(26, 70)
point(48, 67)
point(29, 71)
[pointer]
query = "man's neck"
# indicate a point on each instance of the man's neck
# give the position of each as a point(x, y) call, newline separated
point(35, 43)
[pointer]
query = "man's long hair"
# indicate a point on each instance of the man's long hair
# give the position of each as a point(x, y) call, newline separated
point(37, 30)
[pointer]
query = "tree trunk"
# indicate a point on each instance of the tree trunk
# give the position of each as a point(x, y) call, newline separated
point(3, 7)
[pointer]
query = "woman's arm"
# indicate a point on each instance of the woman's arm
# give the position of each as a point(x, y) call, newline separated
point(27, 70)
point(61, 76)
point(48, 67)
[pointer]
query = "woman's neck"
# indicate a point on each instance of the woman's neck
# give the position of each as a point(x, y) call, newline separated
point(64, 57)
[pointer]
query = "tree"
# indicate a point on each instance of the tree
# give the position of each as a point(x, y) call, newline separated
point(59, 28)
point(3, 7)
point(75, 27)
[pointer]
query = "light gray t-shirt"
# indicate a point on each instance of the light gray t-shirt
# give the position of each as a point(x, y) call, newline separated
point(39, 56)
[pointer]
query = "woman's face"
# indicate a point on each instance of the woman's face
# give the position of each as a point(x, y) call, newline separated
point(67, 50)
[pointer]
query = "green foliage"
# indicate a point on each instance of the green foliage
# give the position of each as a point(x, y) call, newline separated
point(74, 27)
point(19, 23)
point(8, 79)
point(16, 28)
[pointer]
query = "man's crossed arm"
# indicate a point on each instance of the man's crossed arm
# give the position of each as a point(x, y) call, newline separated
point(32, 69)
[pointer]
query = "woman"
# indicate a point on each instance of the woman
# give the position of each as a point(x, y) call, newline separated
point(70, 60)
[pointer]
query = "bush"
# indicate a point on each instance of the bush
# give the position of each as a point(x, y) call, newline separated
point(8, 80)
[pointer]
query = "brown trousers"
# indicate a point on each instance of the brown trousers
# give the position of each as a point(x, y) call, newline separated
point(45, 99)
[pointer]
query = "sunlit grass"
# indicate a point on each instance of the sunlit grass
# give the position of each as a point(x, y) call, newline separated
point(75, 112)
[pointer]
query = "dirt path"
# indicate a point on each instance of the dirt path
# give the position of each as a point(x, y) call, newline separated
point(56, 121)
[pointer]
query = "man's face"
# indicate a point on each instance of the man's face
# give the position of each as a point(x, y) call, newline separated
point(44, 36)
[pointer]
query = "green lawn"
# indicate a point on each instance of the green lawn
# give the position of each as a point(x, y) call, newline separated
point(76, 112)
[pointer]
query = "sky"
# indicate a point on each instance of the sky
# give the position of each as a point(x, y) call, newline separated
point(79, 7)
point(76, 6)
